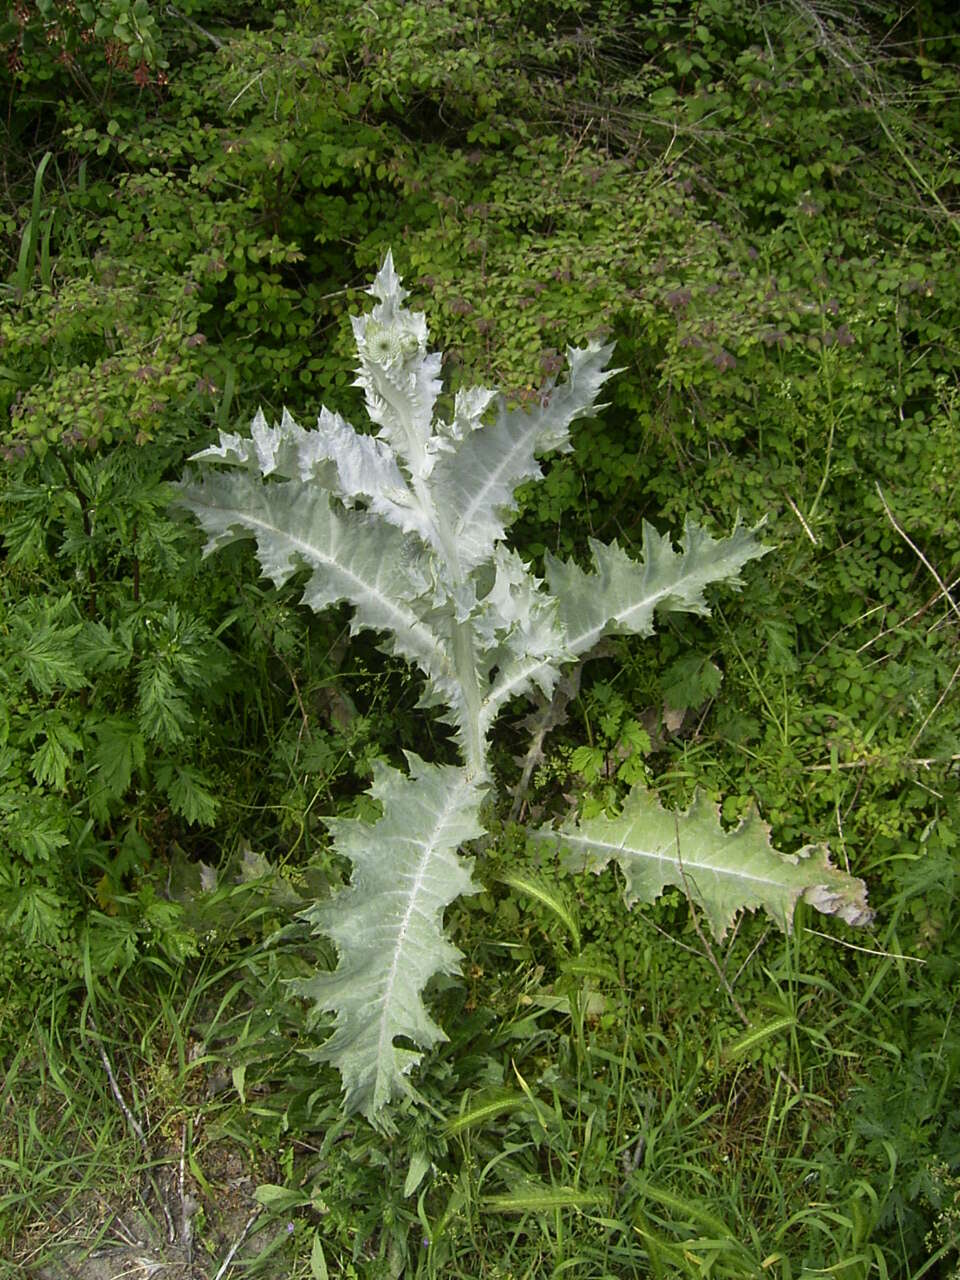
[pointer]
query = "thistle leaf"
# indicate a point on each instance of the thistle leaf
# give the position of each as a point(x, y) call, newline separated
point(285, 450)
point(517, 625)
point(400, 379)
point(367, 471)
point(475, 482)
point(575, 397)
point(388, 926)
point(354, 556)
point(721, 872)
point(621, 595)
point(356, 468)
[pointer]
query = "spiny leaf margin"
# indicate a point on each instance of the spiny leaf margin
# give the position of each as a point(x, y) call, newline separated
point(721, 872)
point(388, 927)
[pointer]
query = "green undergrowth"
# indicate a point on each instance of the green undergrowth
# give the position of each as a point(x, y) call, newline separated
point(600, 1107)
point(760, 210)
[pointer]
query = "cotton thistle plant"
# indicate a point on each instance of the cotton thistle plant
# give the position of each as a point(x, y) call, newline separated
point(407, 525)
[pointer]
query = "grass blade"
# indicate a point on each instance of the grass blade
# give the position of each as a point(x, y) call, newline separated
point(226, 399)
point(483, 1111)
point(547, 895)
point(757, 1035)
point(688, 1210)
point(318, 1263)
point(541, 1200)
point(46, 267)
point(31, 233)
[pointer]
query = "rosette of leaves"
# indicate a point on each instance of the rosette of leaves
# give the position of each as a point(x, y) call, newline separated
point(407, 525)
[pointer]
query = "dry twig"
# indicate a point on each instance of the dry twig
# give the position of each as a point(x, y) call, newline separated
point(237, 1243)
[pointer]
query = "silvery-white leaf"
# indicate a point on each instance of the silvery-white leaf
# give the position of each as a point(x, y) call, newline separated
point(469, 406)
point(352, 556)
point(722, 872)
point(475, 482)
point(621, 595)
point(388, 927)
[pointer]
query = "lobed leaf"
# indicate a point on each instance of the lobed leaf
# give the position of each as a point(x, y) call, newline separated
point(355, 468)
point(388, 926)
point(621, 594)
point(285, 450)
point(722, 872)
point(367, 471)
point(118, 750)
point(475, 482)
point(516, 622)
point(353, 556)
point(400, 379)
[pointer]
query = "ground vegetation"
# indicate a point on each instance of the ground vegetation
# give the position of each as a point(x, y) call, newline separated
point(758, 206)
